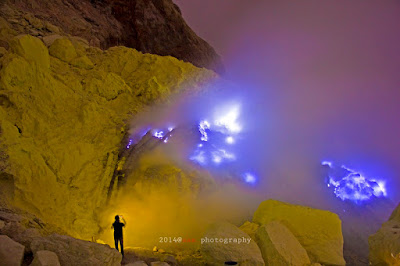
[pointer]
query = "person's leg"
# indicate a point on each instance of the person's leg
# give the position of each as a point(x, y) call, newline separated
point(116, 243)
point(121, 241)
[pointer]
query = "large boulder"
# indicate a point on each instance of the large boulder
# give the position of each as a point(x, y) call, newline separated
point(32, 49)
point(45, 258)
point(11, 252)
point(225, 242)
point(318, 231)
point(279, 246)
point(71, 251)
point(384, 246)
point(21, 234)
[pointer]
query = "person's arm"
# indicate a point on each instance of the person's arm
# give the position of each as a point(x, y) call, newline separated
point(123, 220)
point(112, 226)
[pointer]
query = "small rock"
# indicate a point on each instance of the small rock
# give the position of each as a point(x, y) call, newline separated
point(100, 242)
point(2, 224)
point(170, 259)
point(63, 49)
point(137, 263)
point(49, 39)
point(159, 263)
point(45, 258)
point(35, 22)
point(3, 51)
point(11, 252)
point(249, 228)
point(10, 217)
point(82, 62)
point(50, 27)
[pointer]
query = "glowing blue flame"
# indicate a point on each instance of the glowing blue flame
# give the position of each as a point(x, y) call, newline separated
point(129, 143)
point(249, 178)
point(199, 157)
point(223, 128)
point(203, 127)
point(219, 155)
point(159, 134)
point(230, 140)
point(351, 185)
point(227, 120)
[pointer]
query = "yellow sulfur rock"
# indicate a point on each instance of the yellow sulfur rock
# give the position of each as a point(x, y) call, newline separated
point(61, 126)
point(279, 246)
point(82, 62)
point(24, 45)
point(384, 245)
point(318, 231)
point(63, 49)
point(249, 228)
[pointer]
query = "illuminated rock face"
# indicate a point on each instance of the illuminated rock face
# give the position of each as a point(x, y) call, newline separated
point(384, 246)
point(62, 124)
point(279, 246)
point(71, 251)
point(219, 246)
point(318, 231)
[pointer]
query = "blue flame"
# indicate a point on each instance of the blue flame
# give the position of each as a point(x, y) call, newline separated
point(204, 126)
point(129, 143)
point(159, 134)
point(227, 120)
point(249, 178)
point(351, 185)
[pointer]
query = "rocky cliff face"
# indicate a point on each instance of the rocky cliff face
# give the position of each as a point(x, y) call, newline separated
point(384, 245)
point(154, 26)
point(63, 111)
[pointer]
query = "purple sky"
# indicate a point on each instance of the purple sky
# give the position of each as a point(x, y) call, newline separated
point(323, 78)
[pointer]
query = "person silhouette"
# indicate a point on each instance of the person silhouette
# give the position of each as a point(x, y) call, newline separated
point(118, 236)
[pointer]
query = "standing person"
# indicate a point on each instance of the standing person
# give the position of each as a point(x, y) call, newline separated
point(118, 236)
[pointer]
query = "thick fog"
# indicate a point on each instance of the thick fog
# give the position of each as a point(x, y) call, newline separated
point(309, 81)
point(321, 81)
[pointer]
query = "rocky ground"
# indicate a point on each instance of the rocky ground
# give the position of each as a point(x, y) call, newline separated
point(275, 237)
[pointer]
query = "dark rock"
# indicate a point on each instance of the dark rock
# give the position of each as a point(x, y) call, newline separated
point(11, 252)
point(45, 258)
point(71, 251)
point(150, 26)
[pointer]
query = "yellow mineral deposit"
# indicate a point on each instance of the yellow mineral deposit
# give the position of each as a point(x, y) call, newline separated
point(62, 122)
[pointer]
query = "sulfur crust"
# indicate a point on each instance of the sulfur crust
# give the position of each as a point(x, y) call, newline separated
point(62, 120)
